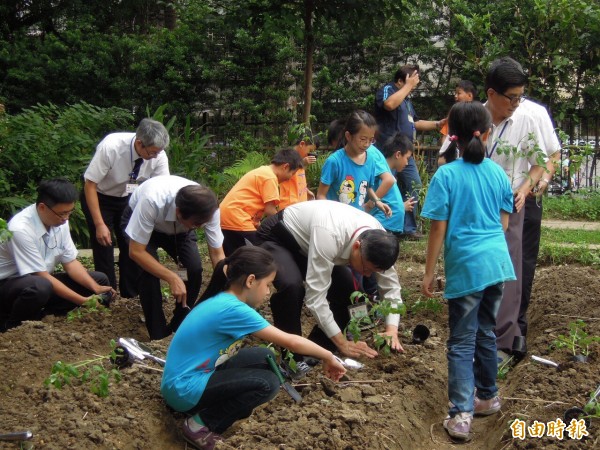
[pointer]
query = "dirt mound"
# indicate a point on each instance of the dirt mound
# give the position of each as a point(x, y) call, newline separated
point(395, 402)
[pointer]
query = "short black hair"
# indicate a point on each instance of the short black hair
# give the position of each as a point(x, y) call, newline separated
point(404, 71)
point(335, 133)
point(196, 201)
point(468, 87)
point(398, 142)
point(55, 191)
point(380, 248)
point(287, 156)
point(504, 73)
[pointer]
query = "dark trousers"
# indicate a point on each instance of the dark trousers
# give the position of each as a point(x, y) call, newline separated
point(409, 183)
point(181, 247)
point(232, 240)
point(507, 327)
point(237, 386)
point(286, 303)
point(112, 209)
point(532, 230)
point(30, 297)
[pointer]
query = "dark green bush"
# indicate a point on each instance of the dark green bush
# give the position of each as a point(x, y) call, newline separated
point(48, 141)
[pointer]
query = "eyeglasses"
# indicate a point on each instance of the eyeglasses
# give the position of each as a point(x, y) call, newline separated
point(364, 140)
point(62, 215)
point(514, 100)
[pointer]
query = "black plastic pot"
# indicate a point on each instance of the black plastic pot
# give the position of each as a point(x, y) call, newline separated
point(580, 358)
point(122, 358)
point(577, 413)
point(420, 334)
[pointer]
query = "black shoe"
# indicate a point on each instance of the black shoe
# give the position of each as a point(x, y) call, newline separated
point(519, 348)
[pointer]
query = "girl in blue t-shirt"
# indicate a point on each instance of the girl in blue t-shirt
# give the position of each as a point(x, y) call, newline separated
point(468, 203)
point(352, 169)
point(206, 373)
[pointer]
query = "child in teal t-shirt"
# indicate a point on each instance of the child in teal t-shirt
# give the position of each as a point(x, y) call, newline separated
point(468, 203)
point(351, 170)
point(396, 150)
point(206, 373)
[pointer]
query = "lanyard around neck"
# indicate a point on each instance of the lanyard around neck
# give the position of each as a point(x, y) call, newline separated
point(489, 154)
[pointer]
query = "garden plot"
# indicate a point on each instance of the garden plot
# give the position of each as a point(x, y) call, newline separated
point(395, 402)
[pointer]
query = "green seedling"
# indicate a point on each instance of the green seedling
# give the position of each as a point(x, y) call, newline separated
point(577, 341)
point(428, 304)
point(91, 306)
point(504, 368)
point(92, 371)
point(376, 311)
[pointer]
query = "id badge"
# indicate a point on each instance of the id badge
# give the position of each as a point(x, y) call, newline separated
point(182, 273)
point(130, 188)
point(358, 310)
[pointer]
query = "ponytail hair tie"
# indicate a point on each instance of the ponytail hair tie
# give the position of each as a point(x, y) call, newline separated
point(476, 133)
point(453, 138)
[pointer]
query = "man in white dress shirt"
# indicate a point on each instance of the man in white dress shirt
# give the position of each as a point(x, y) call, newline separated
point(121, 162)
point(29, 287)
point(318, 242)
point(515, 129)
point(164, 212)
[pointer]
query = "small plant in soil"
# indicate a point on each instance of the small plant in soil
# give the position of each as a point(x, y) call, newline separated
point(92, 306)
point(368, 313)
point(92, 371)
point(578, 341)
point(427, 304)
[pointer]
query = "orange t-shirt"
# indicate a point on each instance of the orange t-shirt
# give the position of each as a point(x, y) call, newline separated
point(244, 205)
point(444, 129)
point(294, 190)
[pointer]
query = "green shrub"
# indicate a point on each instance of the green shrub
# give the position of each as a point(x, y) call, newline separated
point(581, 205)
point(48, 141)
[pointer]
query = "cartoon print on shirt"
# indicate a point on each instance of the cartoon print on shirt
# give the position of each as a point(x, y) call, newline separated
point(229, 352)
point(362, 191)
point(346, 192)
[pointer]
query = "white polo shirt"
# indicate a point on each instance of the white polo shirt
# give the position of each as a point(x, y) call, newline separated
point(519, 131)
point(153, 205)
point(325, 231)
point(32, 247)
point(544, 122)
point(113, 163)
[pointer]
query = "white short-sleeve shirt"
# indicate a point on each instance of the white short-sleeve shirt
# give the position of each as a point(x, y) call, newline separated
point(113, 163)
point(33, 248)
point(153, 205)
point(544, 122)
point(325, 231)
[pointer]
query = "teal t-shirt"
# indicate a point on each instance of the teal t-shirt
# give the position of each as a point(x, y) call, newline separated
point(209, 335)
point(393, 198)
point(469, 197)
point(347, 180)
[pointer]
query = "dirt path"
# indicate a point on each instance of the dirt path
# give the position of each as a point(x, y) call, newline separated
point(570, 224)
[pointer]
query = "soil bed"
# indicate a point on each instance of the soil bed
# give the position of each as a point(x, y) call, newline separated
point(396, 402)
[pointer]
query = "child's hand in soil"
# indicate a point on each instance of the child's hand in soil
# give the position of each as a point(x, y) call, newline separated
point(333, 369)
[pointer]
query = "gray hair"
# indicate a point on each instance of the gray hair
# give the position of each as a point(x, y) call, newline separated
point(152, 133)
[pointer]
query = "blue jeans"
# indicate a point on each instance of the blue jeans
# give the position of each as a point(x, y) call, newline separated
point(472, 359)
point(410, 184)
point(237, 386)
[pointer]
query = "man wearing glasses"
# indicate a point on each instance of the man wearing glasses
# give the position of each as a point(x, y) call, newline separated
point(317, 241)
point(121, 162)
point(514, 144)
point(395, 113)
point(29, 288)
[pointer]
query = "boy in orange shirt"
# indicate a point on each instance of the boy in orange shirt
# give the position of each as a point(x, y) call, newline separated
point(296, 189)
point(254, 196)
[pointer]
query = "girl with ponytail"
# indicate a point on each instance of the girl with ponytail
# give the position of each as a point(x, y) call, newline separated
point(468, 202)
point(206, 373)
